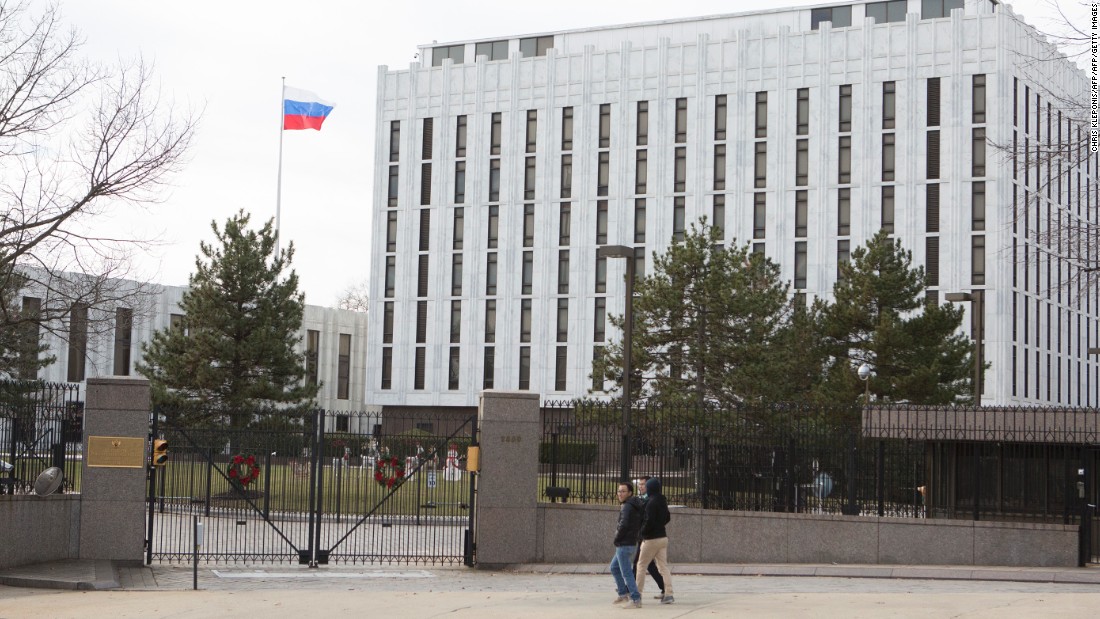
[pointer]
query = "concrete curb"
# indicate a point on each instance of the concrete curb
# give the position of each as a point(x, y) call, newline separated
point(97, 575)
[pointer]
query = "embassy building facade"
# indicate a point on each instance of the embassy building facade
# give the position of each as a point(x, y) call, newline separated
point(503, 164)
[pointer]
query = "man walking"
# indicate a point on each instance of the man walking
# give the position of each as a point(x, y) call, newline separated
point(652, 567)
point(626, 536)
point(654, 538)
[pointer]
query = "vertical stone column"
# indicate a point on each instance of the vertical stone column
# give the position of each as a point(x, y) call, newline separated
point(112, 507)
point(507, 487)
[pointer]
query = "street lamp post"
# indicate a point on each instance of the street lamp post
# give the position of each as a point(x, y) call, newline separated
point(975, 299)
point(622, 251)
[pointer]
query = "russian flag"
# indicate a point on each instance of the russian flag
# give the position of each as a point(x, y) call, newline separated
point(303, 109)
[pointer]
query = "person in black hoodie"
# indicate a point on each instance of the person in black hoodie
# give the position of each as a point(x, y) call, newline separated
point(654, 537)
point(652, 567)
point(626, 536)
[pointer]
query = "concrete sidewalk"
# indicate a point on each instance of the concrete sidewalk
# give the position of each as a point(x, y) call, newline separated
point(87, 575)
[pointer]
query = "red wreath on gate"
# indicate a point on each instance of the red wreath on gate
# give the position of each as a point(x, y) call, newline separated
point(387, 472)
point(243, 470)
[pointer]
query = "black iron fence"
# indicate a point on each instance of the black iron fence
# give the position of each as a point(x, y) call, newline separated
point(41, 426)
point(314, 487)
point(997, 464)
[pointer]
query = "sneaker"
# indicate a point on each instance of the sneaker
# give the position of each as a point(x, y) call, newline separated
point(668, 599)
point(621, 599)
point(633, 604)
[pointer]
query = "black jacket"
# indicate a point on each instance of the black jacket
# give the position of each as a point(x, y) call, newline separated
point(656, 511)
point(630, 522)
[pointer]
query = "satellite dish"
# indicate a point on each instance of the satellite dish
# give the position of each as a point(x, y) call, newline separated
point(823, 485)
point(49, 481)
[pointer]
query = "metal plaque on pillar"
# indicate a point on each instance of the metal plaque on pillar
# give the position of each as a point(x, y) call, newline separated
point(116, 452)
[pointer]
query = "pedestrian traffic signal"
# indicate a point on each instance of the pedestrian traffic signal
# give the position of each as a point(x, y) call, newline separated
point(160, 452)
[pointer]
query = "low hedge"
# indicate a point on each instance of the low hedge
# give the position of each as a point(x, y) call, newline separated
point(568, 452)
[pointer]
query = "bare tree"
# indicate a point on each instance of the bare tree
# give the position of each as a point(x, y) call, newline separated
point(76, 141)
point(355, 297)
point(1050, 151)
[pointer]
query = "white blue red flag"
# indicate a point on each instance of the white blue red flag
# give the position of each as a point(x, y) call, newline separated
point(303, 109)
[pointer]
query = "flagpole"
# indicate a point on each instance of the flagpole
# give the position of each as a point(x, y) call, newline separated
point(279, 182)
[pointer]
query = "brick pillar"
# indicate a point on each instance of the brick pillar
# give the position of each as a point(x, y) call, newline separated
point(112, 506)
point(507, 487)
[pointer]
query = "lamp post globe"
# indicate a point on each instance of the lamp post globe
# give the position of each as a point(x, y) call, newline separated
point(864, 372)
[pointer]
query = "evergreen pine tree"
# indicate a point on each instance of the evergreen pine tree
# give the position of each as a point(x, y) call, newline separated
point(709, 325)
point(879, 316)
point(237, 352)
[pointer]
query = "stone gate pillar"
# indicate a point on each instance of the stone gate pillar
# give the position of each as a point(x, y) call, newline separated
point(112, 506)
point(507, 487)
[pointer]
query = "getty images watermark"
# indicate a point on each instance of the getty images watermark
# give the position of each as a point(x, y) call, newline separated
point(1094, 116)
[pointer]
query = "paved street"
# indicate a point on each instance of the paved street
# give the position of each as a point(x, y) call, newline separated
point(411, 592)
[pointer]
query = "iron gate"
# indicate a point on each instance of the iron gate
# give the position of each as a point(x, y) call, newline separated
point(327, 487)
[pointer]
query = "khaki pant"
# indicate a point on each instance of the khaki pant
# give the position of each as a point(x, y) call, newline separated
point(655, 550)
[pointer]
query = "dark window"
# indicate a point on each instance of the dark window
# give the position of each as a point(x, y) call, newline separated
point(560, 368)
point(453, 368)
point(932, 9)
point(718, 214)
point(394, 183)
point(564, 223)
point(78, 341)
point(801, 207)
point(761, 114)
point(566, 176)
point(888, 156)
point(460, 137)
point(643, 123)
point(759, 215)
point(343, 367)
point(932, 208)
point(605, 125)
point(844, 212)
point(532, 129)
point(843, 256)
point(681, 120)
point(313, 352)
point(844, 167)
point(889, 95)
point(535, 46)
point(488, 370)
point(679, 177)
point(492, 50)
point(528, 225)
point(932, 155)
point(454, 52)
point(456, 275)
point(426, 142)
point(460, 182)
point(800, 265)
point(932, 260)
point(391, 275)
point(563, 271)
point(641, 171)
point(343, 422)
point(455, 321)
point(977, 260)
point(979, 151)
point(29, 334)
point(494, 133)
point(933, 103)
point(719, 167)
point(425, 228)
point(599, 319)
point(490, 321)
point(567, 128)
point(603, 173)
point(888, 209)
point(886, 12)
point(977, 206)
point(639, 220)
point(387, 368)
point(979, 99)
point(528, 273)
point(802, 163)
point(418, 369)
point(679, 215)
point(601, 222)
point(840, 16)
point(491, 273)
point(387, 323)
point(494, 180)
point(425, 183)
point(395, 140)
point(422, 276)
point(524, 367)
point(124, 332)
point(529, 178)
point(421, 322)
point(802, 108)
point(563, 320)
point(492, 227)
point(760, 165)
point(845, 108)
point(720, 118)
point(601, 274)
point(597, 379)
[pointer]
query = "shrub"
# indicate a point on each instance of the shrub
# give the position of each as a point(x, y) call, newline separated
point(569, 451)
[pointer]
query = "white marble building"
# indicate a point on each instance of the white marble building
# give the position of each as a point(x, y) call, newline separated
point(502, 164)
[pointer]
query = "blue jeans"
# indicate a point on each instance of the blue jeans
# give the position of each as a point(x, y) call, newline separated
point(621, 569)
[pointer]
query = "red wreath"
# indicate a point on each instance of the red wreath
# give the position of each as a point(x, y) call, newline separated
point(243, 470)
point(387, 478)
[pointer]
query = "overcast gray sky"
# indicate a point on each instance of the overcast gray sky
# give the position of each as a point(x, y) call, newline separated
point(227, 58)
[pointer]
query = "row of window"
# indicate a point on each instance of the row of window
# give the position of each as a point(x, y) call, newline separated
point(492, 50)
point(884, 12)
